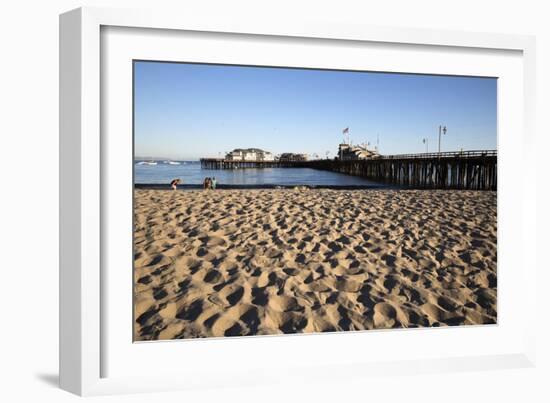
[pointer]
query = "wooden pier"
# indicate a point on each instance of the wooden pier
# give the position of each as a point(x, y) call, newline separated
point(473, 170)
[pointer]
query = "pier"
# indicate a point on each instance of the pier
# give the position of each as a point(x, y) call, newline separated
point(473, 170)
point(222, 163)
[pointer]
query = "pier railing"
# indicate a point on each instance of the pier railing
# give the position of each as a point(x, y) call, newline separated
point(475, 169)
point(445, 154)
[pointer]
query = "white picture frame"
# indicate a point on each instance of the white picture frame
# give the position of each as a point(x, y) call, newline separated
point(86, 297)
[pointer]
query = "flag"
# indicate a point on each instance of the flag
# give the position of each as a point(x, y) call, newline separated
point(346, 130)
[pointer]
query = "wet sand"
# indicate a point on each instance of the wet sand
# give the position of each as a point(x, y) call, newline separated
point(254, 262)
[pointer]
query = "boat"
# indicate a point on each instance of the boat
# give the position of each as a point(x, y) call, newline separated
point(172, 162)
point(150, 162)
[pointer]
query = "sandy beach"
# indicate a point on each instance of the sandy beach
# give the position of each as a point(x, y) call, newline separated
point(253, 262)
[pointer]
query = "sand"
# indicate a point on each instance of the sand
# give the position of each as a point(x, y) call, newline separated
point(255, 262)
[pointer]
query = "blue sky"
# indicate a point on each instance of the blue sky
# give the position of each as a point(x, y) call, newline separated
point(188, 111)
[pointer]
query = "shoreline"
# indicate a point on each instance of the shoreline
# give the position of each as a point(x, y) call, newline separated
point(162, 186)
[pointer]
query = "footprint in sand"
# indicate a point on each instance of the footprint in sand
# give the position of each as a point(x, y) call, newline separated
point(384, 315)
point(212, 277)
point(231, 293)
point(281, 303)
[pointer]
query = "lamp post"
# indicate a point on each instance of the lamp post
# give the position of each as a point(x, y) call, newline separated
point(444, 130)
point(425, 141)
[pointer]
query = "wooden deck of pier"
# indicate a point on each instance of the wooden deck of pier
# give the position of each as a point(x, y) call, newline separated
point(474, 170)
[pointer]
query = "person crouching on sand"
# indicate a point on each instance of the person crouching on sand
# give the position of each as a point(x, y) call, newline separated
point(174, 184)
point(207, 183)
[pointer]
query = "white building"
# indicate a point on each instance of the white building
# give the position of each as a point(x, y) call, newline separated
point(267, 156)
point(249, 154)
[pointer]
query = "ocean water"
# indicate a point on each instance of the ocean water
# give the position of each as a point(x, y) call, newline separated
point(191, 173)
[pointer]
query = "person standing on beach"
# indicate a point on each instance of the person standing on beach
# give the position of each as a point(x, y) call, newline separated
point(213, 183)
point(174, 184)
point(207, 183)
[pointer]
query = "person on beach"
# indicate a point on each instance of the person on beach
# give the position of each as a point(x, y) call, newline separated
point(207, 183)
point(174, 184)
point(213, 183)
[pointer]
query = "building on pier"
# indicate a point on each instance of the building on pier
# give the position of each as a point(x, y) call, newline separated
point(348, 152)
point(249, 154)
point(292, 157)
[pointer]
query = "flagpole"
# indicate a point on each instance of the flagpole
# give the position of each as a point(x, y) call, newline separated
point(344, 141)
